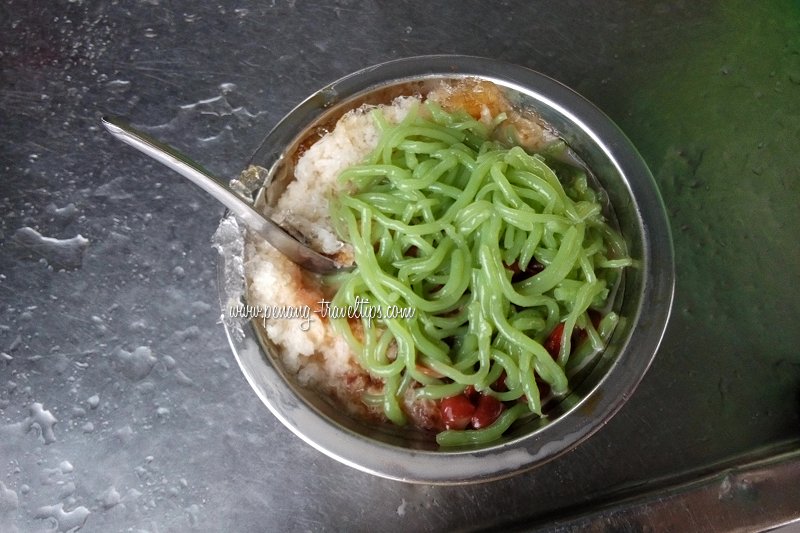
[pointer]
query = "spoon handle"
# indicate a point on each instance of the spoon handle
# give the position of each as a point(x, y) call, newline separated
point(219, 189)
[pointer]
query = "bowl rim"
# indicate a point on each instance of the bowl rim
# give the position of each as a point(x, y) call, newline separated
point(625, 373)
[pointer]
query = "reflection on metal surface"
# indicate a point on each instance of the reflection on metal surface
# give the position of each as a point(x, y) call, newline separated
point(757, 495)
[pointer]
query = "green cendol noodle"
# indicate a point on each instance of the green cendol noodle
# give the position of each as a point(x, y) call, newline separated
point(435, 216)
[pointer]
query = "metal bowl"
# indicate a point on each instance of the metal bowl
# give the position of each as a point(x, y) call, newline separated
point(643, 301)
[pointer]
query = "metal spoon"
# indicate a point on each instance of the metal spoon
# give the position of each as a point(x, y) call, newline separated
point(285, 243)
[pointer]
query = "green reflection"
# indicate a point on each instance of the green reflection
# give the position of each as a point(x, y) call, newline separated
point(718, 121)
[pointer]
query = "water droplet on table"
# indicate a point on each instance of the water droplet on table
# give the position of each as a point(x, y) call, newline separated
point(60, 254)
point(65, 520)
point(44, 421)
point(135, 365)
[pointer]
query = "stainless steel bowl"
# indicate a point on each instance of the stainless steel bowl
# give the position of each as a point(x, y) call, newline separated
point(643, 301)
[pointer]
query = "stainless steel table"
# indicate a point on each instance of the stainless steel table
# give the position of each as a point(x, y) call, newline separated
point(121, 408)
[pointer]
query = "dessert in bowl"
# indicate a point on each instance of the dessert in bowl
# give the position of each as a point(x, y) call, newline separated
point(512, 270)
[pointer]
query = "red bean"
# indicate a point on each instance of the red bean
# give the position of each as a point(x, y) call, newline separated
point(500, 384)
point(489, 408)
point(472, 394)
point(553, 342)
point(534, 267)
point(457, 412)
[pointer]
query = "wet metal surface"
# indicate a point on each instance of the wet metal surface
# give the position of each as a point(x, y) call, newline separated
point(121, 406)
point(748, 496)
